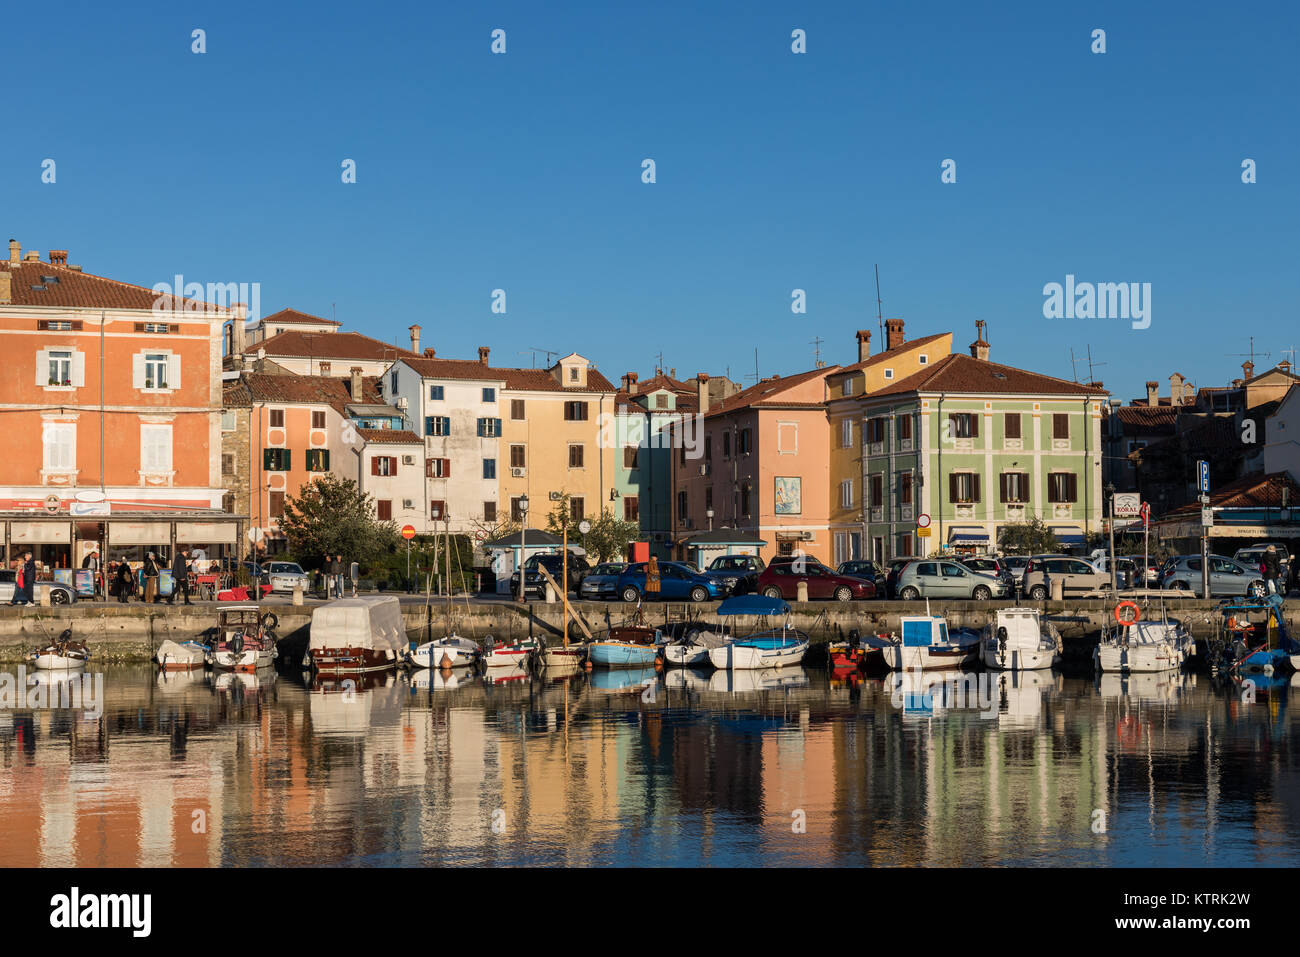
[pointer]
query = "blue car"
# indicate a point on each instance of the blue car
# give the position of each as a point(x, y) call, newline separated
point(677, 582)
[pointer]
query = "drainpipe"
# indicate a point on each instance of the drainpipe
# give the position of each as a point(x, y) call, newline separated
point(939, 468)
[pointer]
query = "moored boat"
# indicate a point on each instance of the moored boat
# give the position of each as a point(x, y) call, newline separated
point(502, 654)
point(1143, 646)
point(62, 654)
point(1017, 640)
point(180, 655)
point(777, 648)
point(244, 639)
point(450, 652)
point(356, 635)
point(624, 646)
point(1253, 637)
point(928, 645)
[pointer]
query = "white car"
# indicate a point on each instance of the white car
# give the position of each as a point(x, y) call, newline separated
point(59, 594)
point(285, 576)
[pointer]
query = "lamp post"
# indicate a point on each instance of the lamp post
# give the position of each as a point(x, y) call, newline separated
point(523, 552)
point(1110, 497)
point(709, 514)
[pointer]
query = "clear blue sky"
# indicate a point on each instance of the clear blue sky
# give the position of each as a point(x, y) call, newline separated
point(775, 171)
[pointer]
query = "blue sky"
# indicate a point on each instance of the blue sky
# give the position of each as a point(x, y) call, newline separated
point(775, 171)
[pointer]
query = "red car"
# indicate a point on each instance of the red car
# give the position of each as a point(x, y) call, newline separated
point(781, 580)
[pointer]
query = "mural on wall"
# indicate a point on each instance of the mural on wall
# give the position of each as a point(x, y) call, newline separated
point(788, 496)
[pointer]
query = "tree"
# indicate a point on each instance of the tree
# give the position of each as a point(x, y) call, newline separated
point(607, 538)
point(1033, 537)
point(332, 516)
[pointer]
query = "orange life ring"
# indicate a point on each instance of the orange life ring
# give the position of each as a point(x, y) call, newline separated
point(1137, 613)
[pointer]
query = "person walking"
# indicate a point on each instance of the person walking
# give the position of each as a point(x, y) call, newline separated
point(652, 577)
point(24, 580)
point(336, 572)
point(180, 576)
point(150, 579)
point(125, 581)
point(1271, 568)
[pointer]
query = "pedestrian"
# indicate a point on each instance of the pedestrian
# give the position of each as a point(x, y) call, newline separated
point(24, 579)
point(151, 574)
point(1271, 568)
point(336, 576)
point(180, 577)
point(125, 581)
point(652, 577)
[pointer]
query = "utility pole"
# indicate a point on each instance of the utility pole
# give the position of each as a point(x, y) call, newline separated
point(1110, 525)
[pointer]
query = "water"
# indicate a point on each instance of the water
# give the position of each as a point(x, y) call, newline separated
point(777, 770)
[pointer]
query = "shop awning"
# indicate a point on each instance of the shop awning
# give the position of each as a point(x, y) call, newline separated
point(967, 536)
point(1069, 534)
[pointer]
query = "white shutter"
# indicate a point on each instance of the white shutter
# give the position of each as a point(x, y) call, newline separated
point(42, 367)
point(79, 369)
point(173, 372)
point(137, 371)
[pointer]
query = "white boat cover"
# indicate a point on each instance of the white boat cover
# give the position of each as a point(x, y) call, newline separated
point(372, 622)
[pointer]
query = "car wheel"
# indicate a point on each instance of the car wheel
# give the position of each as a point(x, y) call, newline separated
point(909, 594)
point(699, 593)
point(844, 593)
point(1257, 589)
point(1179, 585)
point(771, 591)
point(1038, 592)
point(58, 596)
point(982, 593)
point(630, 594)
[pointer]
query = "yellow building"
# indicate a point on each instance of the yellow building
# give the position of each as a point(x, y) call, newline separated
point(846, 388)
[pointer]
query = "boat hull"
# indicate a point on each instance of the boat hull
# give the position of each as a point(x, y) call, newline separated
point(174, 656)
point(58, 662)
point(1136, 659)
point(350, 661)
point(617, 654)
point(246, 661)
point(445, 653)
point(742, 656)
point(561, 659)
point(509, 656)
point(930, 657)
point(1017, 659)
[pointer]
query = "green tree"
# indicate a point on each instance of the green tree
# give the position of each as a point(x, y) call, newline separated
point(607, 538)
point(1033, 537)
point(332, 516)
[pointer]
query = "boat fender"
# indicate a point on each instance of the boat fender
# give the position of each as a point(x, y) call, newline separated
point(1137, 613)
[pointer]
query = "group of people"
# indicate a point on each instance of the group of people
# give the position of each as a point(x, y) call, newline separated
point(123, 585)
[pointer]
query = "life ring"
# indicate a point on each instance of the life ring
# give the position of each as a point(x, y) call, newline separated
point(1137, 613)
point(269, 621)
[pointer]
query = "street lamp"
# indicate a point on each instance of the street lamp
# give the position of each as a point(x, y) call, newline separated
point(1110, 497)
point(709, 513)
point(523, 552)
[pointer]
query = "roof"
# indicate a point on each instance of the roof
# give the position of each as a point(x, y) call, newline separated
point(1257, 490)
point(963, 373)
point(536, 538)
point(330, 345)
point(288, 317)
point(766, 394)
point(390, 437)
point(82, 290)
point(1148, 417)
point(534, 380)
point(725, 536)
point(881, 357)
point(309, 390)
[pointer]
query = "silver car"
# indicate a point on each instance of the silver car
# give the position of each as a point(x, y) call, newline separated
point(285, 576)
point(1227, 578)
point(60, 594)
point(940, 578)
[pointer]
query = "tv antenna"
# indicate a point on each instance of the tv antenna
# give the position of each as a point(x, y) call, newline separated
point(816, 343)
point(880, 311)
point(1092, 375)
point(755, 376)
point(1251, 355)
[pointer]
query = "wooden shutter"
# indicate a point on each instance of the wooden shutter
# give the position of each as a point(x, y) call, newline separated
point(1072, 487)
point(975, 434)
point(446, 468)
point(1002, 487)
point(137, 371)
point(975, 487)
point(79, 369)
point(374, 465)
point(952, 488)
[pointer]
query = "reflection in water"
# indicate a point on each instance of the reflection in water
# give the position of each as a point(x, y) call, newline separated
point(629, 767)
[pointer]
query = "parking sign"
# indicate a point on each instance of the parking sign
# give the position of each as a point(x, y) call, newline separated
point(1203, 476)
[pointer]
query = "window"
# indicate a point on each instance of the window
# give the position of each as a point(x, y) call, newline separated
point(155, 370)
point(1011, 422)
point(383, 465)
point(661, 401)
point(708, 448)
point(437, 425)
point(60, 445)
point(904, 426)
point(577, 509)
point(846, 433)
point(392, 380)
point(324, 368)
point(385, 509)
point(889, 373)
point(516, 409)
point(877, 491)
point(573, 373)
point(681, 506)
point(963, 488)
point(437, 468)
point(744, 499)
point(489, 511)
point(708, 496)
point(318, 418)
point(276, 460)
point(875, 430)
point(922, 359)
point(905, 544)
point(318, 460)
point(1062, 487)
point(437, 510)
point(1060, 425)
point(963, 425)
point(228, 422)
point(435, 393)
point(846, 493)
point(575, 411)
point(275, 504)
point(59, 325)
point(227, 463)
point(1014, 487)
point(276, 417)
point(489, 468)
point(156, 448)
point(575, 456)
point(489, 395)
point(518, 457)
point(489, 428)
point(848, 386)
point(905, 489)
point(630, 456)
point(631, 509)
point(516, 513)
point(743, 442)
point(60, 364)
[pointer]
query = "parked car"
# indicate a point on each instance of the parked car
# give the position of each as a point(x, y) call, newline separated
point(868, 571)
point(1153, 571)
point(285, 576)
point(677, 582)
point(602, 581)
point(1126, 570)
point(781, 580)
point(1016, 565)
point(535, 584)
point(739, 573)
point(1227, 578)
point(60, 594)
point(990, 566)
point(942, 578)
point(895, 566)
point(1252, 557)
point(1077, 575)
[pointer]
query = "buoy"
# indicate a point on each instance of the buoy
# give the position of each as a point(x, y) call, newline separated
point(445, 661)
point(1137, 613)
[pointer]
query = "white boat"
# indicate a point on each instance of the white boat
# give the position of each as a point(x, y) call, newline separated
point(1143, 646)
point(244, 641)
point(502, 654)
point(356, 635)
point(1017, 640)
point(180, 655)
point(927, 645)
point(450, 652)
point(694, 647)
point(778, 648)
point(747, 681)
point(63, 654)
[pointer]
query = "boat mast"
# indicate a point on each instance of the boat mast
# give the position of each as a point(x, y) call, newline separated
point(564, 584)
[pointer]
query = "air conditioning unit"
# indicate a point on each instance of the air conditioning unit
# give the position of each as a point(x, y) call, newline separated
point(401, 403)
point(408, 503)
point(518, 473)
point(556, 497)
point(806, 536)
point(408, 459)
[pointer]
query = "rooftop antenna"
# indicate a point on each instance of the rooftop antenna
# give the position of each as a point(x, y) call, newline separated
point(549, 353)
point(1092, 376)
point(880, 313)
point(1290, 352)
point(659, 366)
point(755, 376)
point(816, 343)
point(1253, 353)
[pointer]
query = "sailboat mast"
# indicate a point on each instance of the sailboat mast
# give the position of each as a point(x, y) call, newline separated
point(564, 584)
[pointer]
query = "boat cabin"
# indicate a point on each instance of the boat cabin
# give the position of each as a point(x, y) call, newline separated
point(924, 631)
point(243, 621)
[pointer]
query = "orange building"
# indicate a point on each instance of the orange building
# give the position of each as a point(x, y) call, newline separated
point(111, 402)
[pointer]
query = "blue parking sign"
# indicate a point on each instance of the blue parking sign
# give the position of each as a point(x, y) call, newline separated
point(1203, 476)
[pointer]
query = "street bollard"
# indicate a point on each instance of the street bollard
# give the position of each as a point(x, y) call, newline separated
point(297, 593)
point(801, 591)
point(45, 595)
point(1058, 589)
point(550, 594)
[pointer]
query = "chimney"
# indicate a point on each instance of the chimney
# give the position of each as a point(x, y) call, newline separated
point(429, 353)
point(15, 251)
point(6, 286)
point(702, 390)
point(629, 383)
point(1284, 366)
point(979, 349)
point(237, 330)
point(483, 354)
point(893, 334)
point(58, 257)
point(864, 345)
point(1236, 383)
point(1176, 389)
point(354, 386)
point(1153, 392)
point(32, 256)
point(415, 339)
point(672, 373)
point(1248, 367)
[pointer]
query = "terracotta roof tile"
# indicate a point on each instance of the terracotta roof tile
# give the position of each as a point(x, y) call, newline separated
point(76, 289)
point(390, 436)
point(533, 380)
point(962, 373)
point(330, 345)
point(881, 357)
point(1159, 418)
point(1256, 490)
point(767, 392)
point(310, 390)
point(293, 316)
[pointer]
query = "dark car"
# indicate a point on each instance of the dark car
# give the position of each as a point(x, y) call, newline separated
point(536, 582)
point(870, 571)
point(602, 581)
point(781, 580)
point(738, 573)
point(677, 582)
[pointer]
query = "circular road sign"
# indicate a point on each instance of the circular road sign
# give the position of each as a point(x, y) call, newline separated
point(923, 521)
point(408, 532)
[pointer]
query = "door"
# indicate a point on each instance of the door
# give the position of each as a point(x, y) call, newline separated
point(819, 581)
point(1226, 578)
point(955, 581)
point(927, 579)
point(672, 582)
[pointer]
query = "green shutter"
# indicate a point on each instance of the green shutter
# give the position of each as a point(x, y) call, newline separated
point(287, 461)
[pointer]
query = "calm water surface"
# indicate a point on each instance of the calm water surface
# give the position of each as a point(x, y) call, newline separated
point(790, 769)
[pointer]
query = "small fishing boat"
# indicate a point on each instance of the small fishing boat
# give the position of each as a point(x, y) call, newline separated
point(693, 647)
point(181, 655)
point(502, 654)
point(625, 646)
point(1017, 640)
point(450, 652)
point(698, 642)
point(858, 653)
point(356, 635)
point(62, 654)
point(1136, 646)
point(244, 640)
point(1252, 637)
point(928, 644)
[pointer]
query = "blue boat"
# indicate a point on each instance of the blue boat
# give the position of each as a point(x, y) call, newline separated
point(625, 646)
point(1253, 638)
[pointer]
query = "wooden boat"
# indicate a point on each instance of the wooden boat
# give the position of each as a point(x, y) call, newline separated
point(625, 646)
point(858, 653)
point(244, 639)
point(1017, 640)
point(928, 645)
point(62, 654)
point(181, 655)
point(356, 635)
point(1143, 646)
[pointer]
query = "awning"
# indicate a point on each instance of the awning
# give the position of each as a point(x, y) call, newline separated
point(140, 533)
point(967, 536)
point(1068, 534)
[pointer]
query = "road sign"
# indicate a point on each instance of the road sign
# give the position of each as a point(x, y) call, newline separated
point(1203, 476)
point(408, 532)
point(923, 532)
point(1126, 505)
point(1207, 517)
point(923, 520)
